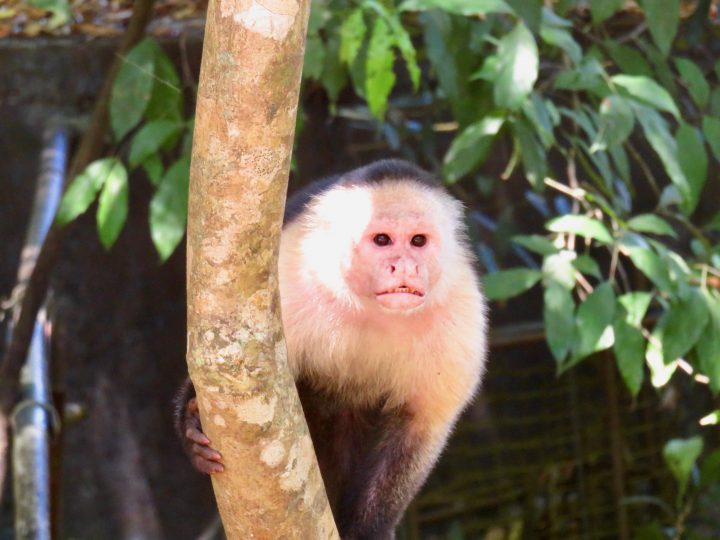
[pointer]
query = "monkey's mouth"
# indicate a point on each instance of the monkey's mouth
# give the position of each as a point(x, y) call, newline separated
point(400, 298)
point(402, 290)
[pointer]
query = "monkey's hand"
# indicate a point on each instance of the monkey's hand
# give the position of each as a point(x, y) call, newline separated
point(204, 458)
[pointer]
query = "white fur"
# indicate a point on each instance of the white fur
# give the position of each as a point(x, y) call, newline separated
point(429, 360)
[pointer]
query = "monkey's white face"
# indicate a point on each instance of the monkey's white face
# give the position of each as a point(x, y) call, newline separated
point(379, 248)
point(394, 262)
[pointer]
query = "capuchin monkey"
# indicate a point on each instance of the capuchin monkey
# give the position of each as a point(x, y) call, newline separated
point(385, 327)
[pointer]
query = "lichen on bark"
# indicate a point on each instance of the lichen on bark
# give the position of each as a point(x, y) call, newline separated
point(245, 119)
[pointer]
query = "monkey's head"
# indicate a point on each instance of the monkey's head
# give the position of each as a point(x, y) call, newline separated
point(390, 246)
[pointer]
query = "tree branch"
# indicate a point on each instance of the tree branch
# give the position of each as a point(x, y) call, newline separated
point(244, 126)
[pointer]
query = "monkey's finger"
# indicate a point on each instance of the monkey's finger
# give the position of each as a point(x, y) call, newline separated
point(197, 436)
point(206, 466)
point(206, 453)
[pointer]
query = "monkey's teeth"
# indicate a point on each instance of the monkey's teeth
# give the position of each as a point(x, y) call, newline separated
point(404, 290)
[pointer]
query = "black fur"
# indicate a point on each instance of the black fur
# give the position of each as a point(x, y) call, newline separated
point(386, 169)
point(184, 394)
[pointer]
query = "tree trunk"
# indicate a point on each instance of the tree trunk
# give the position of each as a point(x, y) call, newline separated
point(244, 125)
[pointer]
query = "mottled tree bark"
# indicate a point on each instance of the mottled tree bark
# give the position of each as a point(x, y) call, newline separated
point(246, 107)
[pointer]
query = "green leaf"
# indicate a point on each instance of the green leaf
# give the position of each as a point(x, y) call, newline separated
point(532, 153)
point(352, 34)
point(488, 71)
point(551, 18)
point(459, 7)
point(629, 350)
point(517, 67)
point(714, 223)
point(616, 123)
point(593, 324)
point(693, 162)
point(84, 188)
point(538, 244)
point(650, 223)
point(149, 139)
point(680, 456)
point(168, 208)
point(714, 108)
point(166, 101)
point(314, 58)
point(132, 88)
point(559, 319)
point(559, 36)
point(469, 149)
point(334, 75)
point(113, 205)
point(711, 130)
point(685, 321)
point(710, 469)
point(635, 305)
point(708, 345)
point(695, 81)
point(446, 40)
point(581, 225)
point(652, 266)
point(660, 372)
point(402, 40)
point(658, 135)
point(558, 269)
point(587, 265)
point(357, 71)
point(663, 74)
point(602, 9)
point(60, 9)
point(379, 74)
point(318, 18)
point(588, 76)
point(620, 160)
point(538, 112)
point(508, 283)
point(662, 17)
point(646, 91)
point(629, 60)
point(153, 167)
point(529, 11)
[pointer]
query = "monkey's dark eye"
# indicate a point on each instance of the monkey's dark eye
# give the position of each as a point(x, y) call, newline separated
point(419, 240)
point(381, 239)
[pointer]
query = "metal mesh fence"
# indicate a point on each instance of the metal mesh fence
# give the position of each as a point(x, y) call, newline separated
point(542, 456)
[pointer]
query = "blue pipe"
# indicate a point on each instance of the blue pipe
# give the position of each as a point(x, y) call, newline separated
point(34, 418)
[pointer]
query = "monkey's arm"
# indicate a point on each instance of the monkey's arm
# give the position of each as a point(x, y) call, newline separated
point(189, 429)
point(386, 481)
